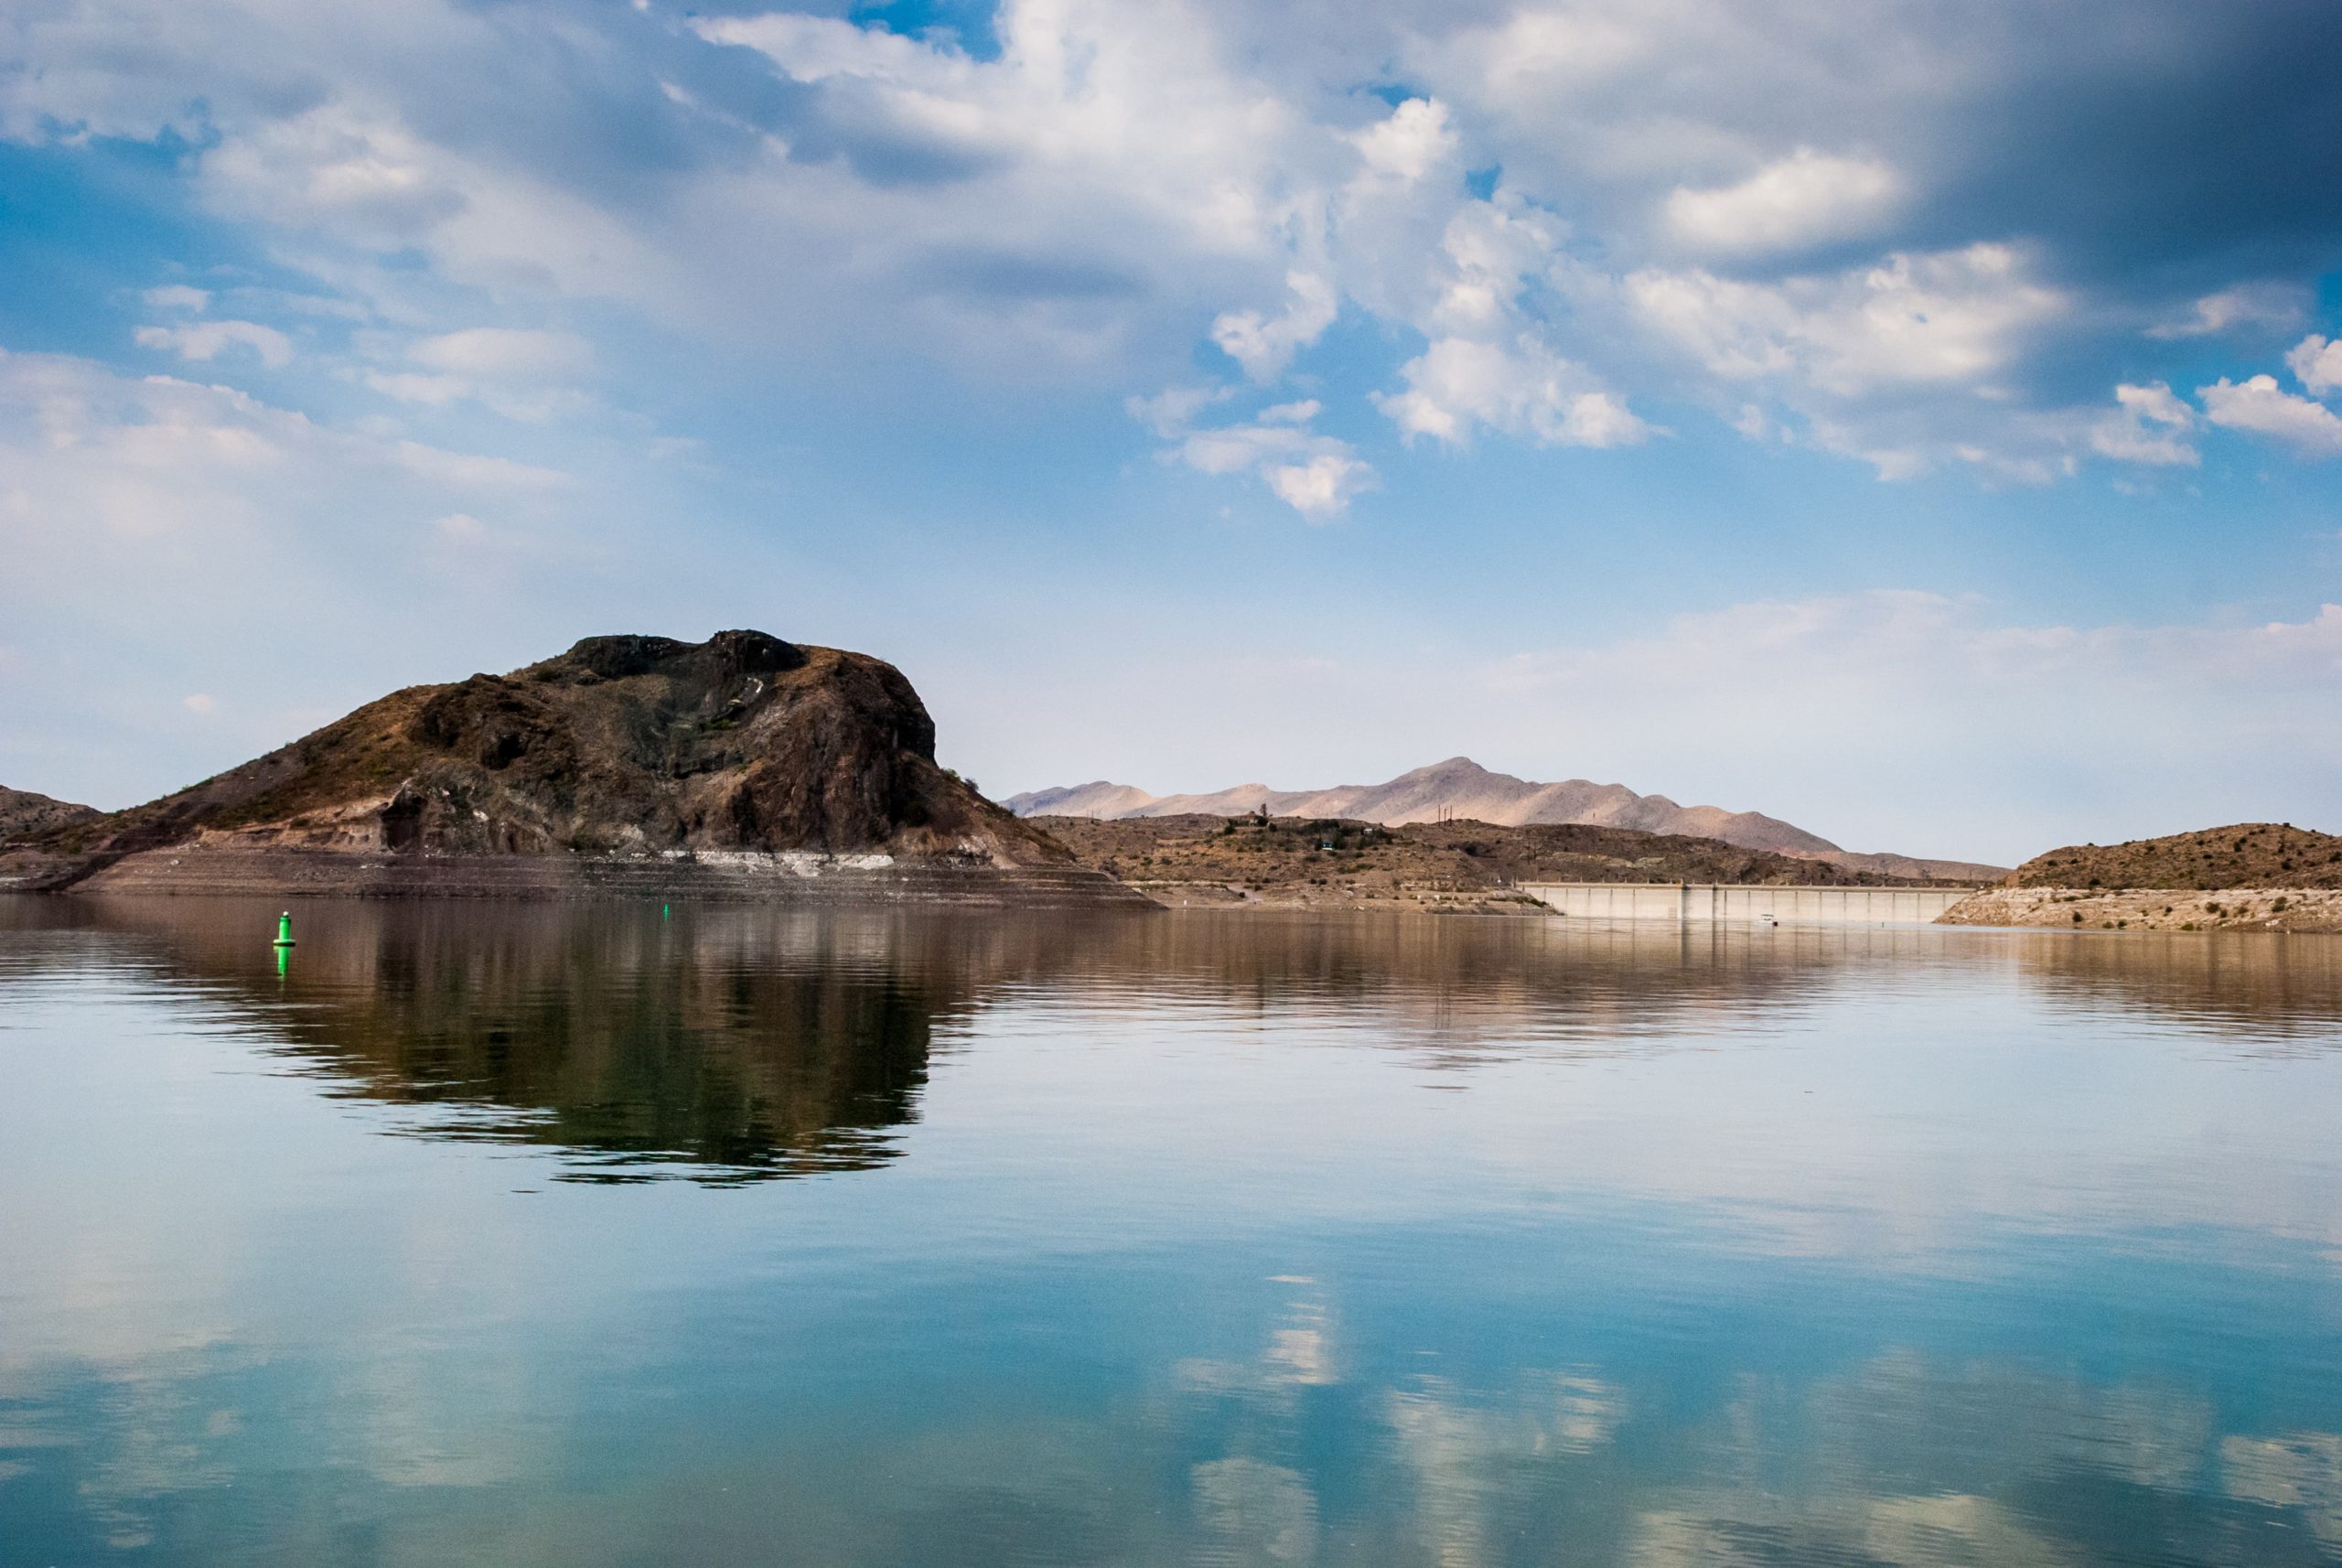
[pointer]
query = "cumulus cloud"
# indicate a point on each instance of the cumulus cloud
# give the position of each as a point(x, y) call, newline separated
point(2152, 427)
point(206, 340)
point(2260, 405)
point(1672, 199)
point(1947, 316)
point(1806, 198)
point(1521, 389)
point(1173, 409)
point(2316, 364)
point(1263, 344)
point(1318, 476)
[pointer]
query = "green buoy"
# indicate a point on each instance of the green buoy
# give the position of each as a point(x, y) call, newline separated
point(284, 930)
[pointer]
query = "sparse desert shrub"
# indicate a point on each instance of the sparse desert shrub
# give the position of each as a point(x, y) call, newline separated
point(2278, 908)
point(2077, 917)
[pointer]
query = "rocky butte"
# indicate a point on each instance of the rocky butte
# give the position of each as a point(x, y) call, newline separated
point(744, 767)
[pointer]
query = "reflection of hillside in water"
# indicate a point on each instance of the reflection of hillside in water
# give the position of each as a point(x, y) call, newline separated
point(736, 1044)
point(1468, 989)
point(2258, 991)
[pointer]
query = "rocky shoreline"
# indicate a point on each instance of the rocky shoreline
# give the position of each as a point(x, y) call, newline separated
point(2154, 910)
point(803, 878)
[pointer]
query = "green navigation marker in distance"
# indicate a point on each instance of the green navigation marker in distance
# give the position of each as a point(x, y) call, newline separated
point(284, 930)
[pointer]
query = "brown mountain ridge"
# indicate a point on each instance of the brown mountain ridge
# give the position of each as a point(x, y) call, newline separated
point(1460, 789)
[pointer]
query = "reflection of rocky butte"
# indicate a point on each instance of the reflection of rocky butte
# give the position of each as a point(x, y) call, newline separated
point(742, 1043)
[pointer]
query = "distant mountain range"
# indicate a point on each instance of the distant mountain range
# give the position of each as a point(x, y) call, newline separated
point(1463, 788)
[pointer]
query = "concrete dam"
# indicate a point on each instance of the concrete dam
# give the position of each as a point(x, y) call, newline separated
point(1688, 902)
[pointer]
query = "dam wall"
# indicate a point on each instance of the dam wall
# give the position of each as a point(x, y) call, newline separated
point(1688, 902)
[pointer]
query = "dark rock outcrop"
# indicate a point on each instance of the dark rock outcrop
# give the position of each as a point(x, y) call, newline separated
point(623, 751)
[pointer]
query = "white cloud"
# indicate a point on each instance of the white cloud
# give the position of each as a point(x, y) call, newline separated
point(2151, 428)
point(1949, 316)
point(2279, 305)
point(364, 177)
point(2260, 405)
point(1521, 389)
point(518, 373)
point(506, 352)
point(1118, 181)
point(1318, 476)
point(1265, 344)
point(94, 455)
point(2317, 364)
point(176, 296)
point(1415, 139)
point(1173, 409)
point(1320, 486)
point(199, 702)
point(1806, 198)
point(208, 516)
point(205, 340)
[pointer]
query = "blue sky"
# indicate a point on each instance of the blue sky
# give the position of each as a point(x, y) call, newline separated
point(1920, 427)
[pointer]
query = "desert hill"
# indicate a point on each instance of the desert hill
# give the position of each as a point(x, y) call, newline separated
point(624, 749)
point(2249, 877)
point(1197, 858)
point(1460, 787)
point(24, 815)
point(2249, 854)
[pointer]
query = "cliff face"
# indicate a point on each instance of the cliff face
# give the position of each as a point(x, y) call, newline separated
point(622, 746)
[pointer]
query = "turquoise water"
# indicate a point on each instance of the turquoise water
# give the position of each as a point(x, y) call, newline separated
point(582, 1236)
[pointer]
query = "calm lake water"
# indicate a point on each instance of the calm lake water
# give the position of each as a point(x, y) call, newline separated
point(579, 1235)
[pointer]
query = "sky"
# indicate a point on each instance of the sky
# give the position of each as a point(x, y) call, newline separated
point(1921, 422)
